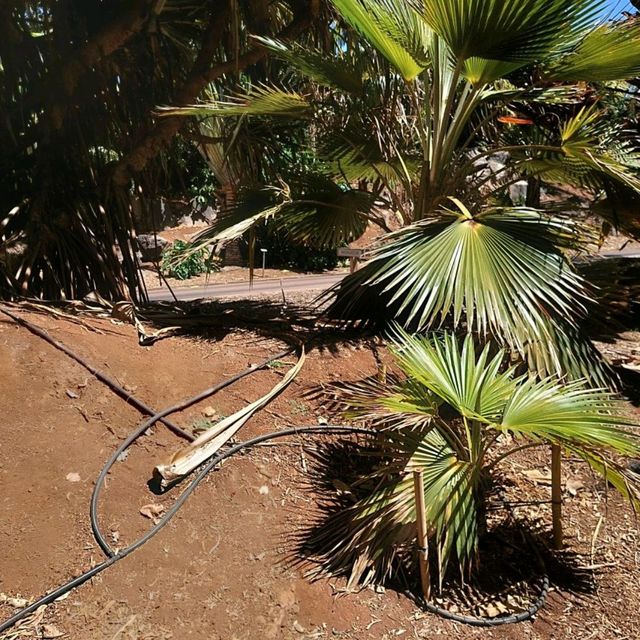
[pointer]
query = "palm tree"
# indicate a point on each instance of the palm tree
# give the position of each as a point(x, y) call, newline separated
point(440, 106)
point(456, 413)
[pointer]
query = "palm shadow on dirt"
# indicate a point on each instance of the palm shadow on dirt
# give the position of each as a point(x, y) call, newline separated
point(514, 554)
point(293, 324)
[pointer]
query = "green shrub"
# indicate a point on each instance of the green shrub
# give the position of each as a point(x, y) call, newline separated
point(182, 262)
point(283, 252)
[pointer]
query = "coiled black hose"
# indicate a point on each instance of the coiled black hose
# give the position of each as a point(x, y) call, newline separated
point(200, 476)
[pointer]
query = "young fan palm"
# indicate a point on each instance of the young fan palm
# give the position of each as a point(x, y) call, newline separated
point(423, 105)
point(446, 418)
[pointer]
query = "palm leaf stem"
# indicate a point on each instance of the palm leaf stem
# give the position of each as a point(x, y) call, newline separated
point(441, 124)
point(522, 447)
point(468, 104)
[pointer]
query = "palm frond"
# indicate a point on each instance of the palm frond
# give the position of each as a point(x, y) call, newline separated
point(608, 52)
point(392, 27)
point(442, 419)
point(336, 71)
point(475, 386)
point(366, 538)
point(500, 272)
point(262, 100)
point(519, 31)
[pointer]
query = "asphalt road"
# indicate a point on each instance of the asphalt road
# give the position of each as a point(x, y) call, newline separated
point(289, 285)
point(243, 290)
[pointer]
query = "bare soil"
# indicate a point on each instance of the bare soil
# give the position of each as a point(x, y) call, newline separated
point(222, 568)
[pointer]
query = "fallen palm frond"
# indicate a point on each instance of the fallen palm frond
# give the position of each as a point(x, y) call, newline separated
point(188, 458)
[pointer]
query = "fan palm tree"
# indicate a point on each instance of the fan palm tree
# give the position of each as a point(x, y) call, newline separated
point(456, 413)
point(429, 102)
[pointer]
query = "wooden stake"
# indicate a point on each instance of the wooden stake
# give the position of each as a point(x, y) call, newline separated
point(421, 525)
point(556, 495)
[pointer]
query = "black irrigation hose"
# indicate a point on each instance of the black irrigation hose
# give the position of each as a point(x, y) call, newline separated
point(112, 384)
point(97, 488)
point(200, 476)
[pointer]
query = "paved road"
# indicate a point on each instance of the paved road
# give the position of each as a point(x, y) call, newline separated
point(242, 289)
point(289, 284)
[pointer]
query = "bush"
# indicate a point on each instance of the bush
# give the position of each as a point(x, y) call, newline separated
point(282, 252)
point(180, 261)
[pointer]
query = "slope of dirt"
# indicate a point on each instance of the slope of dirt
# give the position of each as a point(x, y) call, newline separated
point(221, 568)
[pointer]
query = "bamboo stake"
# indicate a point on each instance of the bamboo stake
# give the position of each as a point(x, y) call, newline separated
point(556, 495)
point(421, 525)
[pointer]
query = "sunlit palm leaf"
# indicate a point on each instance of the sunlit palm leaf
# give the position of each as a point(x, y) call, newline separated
point(475, 386)
point(608, 52)
point(500, 272)
point(444, 417)
point(518, 31)
point(260, 101)
point(391, 27)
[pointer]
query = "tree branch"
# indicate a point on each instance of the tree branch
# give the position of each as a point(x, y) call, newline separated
point(163, 130)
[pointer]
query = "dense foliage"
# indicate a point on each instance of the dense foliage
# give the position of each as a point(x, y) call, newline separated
point(81, 146)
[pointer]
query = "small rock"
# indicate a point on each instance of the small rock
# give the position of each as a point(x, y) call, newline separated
point(18, 603)
point(298, 627)
point(263, 490)
point(72, 394)
point(73, 477)
point(151, 246)
point(152, 511)
point(574, 485)
point(209, 412)
point(123, 456)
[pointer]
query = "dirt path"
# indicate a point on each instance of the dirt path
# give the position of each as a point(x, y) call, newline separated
point(220, 569)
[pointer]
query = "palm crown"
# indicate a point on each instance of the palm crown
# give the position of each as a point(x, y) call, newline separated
point(455, 413)
point(414, 106)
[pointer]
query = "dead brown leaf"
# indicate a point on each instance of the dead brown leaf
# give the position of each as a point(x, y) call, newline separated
point(152, 511)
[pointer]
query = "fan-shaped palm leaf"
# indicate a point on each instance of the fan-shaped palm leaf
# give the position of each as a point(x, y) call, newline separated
point(501, 272)
point(519, 31)
point(608, 52)
point(393, 28)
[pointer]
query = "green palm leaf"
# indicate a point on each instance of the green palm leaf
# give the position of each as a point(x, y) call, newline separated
point(473, 385)
point(365, 538)
point(500, 272)
point(518, 31)
point(260, 101)
point(444, 416)
point(609, 52)
point(336, 72)
point(393, 28)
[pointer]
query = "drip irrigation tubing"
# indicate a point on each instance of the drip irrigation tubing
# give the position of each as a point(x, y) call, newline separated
point(208, 466)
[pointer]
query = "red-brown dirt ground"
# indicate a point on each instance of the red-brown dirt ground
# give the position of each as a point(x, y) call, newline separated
point(219, 569)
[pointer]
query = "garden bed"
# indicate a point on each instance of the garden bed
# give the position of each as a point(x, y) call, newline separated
point(222, 568)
